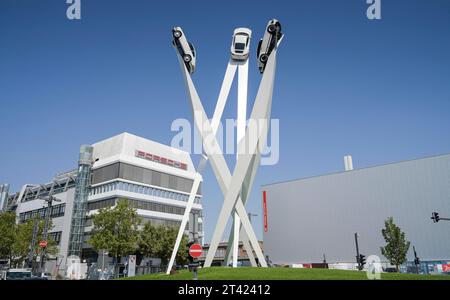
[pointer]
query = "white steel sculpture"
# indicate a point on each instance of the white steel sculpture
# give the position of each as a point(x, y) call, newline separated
point(250, 139)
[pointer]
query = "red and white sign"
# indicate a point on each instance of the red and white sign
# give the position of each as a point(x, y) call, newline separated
point(265, 210)
point(161, 160)
point(195, 250)
point(43, 244)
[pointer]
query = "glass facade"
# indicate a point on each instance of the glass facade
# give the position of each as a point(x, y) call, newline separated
point(142, 175)
point(139, 204)
point(80, 201)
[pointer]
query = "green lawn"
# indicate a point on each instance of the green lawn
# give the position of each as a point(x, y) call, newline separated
point(223, 273)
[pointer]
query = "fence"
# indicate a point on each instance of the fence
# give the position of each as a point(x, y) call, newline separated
point(143, 270)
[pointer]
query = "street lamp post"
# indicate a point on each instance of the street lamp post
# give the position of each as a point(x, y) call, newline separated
point(416, 260)
point(357, 251)
point(49, 199)
point(33, 243)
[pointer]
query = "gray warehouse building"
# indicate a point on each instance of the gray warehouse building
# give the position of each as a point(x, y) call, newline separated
point(307, 219)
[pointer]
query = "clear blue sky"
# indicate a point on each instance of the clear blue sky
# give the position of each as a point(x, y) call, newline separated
point(379, 90)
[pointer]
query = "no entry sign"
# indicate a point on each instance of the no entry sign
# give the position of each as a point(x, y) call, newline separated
point(42, 244)
point(195, 250)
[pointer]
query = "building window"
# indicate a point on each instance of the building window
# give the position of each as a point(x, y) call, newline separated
point(56, 211)
point(94, 205)
point(56, 237)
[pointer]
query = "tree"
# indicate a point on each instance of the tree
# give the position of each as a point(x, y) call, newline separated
point(396, 245)
point(23, 237)
point(116, 230)
point(158, 242)
point(8, 233)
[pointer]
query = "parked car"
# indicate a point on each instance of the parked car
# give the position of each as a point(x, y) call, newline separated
point(184, 48)
point(18, 274)
point(269, 41)
point(44, 276)
point(36, 278)
point(241, 43)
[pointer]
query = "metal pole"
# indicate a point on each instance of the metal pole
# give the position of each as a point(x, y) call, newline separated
point(45, 233)
point(195, 270)
point(33, 243)
point(357, 251)
point(103, 261)
point(416, 260)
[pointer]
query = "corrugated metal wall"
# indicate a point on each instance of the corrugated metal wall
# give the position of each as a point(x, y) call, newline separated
point(311, 217)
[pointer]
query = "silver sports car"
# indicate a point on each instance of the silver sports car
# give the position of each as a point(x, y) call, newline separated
point(271, 37)
point(184, 48)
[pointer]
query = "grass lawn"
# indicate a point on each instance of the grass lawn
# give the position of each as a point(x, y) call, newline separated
point(246, 273)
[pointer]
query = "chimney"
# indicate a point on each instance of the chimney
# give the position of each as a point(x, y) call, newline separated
point(348, 163)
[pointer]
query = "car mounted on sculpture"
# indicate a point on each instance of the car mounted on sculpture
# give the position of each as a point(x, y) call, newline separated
point(184, 48)
point(269, 41)
point(241, 43)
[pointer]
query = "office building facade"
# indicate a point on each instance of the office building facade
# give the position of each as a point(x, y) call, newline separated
point(154, 178)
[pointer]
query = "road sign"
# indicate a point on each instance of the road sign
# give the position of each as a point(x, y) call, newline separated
point(195, 250)
point(43, 244)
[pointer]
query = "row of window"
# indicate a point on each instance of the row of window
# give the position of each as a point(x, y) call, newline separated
point(159, 207)
point(138, 204)
point(101, 204)
point(56, 211)
point(153, 221)
point(142, 175)
point(159, 222)
point(135, 188)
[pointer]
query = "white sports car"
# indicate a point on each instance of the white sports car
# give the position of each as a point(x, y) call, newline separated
point(271, 37)
point(184, 48)
point(241, 43)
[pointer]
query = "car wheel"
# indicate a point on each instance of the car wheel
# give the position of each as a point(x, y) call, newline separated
point(259, 48)
point(177, 34)
point(271, 28)
point(263, 58)
point(187, 58)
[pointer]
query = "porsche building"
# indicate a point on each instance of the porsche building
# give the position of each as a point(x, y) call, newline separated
point(155, 179)
point(311, 220)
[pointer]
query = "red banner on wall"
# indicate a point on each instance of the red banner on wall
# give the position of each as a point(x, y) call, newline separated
point(265, 210)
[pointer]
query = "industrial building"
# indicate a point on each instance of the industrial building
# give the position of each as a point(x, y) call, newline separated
point(314, 219)
point(156, 179)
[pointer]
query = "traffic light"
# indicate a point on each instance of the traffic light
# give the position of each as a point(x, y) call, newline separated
point(435, 217)
point(362, 260)
point(417, 261)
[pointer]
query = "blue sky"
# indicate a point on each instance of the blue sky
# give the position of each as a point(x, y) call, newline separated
point(379, 90)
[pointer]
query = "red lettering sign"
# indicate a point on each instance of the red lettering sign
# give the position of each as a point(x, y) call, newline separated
point(162, 160)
